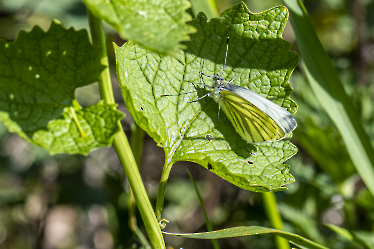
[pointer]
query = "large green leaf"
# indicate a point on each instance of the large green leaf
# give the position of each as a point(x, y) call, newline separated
point(39, 73)
point(156, 24)
point(192, 131)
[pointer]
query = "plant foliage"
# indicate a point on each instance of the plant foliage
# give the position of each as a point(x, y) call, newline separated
point(192, 131)
point(39, 74)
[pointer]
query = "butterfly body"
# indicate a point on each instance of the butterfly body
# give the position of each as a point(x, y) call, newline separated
point(255, 118)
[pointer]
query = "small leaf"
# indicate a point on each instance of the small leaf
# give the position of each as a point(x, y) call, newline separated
point(252, 230)
point(157, 24)
point(191, 131)
point(39, 74)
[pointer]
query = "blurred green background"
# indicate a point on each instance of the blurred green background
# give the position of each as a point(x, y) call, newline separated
point(70, 201)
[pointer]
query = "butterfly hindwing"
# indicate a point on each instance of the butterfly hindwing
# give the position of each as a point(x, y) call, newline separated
point(250, 122)
point(278, 114)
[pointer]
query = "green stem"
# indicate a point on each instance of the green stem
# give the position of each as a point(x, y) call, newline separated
point(162, 188)
point(98, 39)
point(137, 138)
point(275, 219)
point(121, 144)
point(122, 147)
point(133, 223)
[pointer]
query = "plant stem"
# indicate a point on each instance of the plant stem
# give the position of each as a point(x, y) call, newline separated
point(162, 188)
point(121, 144)
point(275, 219)
point(137, 138)
point(122, 147)
point(133, 222)
point(98, 39)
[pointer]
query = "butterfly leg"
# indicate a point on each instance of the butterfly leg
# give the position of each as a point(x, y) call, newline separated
point(206, 95)
point(219, 109)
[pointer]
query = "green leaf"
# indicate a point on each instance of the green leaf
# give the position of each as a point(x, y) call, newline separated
point(191, 131)
point(245, 231)
point(157, 24)
point(39, 74)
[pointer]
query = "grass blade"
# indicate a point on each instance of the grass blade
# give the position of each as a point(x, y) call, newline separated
point(252, 230)
point(275, 219)
point(329, 90)
point(209, 225)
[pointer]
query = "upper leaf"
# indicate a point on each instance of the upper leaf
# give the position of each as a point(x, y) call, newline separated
point(157, 24)
point(39, 73)
point(192, 131)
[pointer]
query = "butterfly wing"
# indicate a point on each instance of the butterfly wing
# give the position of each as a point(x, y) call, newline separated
point(252, 123)
point(280, 115)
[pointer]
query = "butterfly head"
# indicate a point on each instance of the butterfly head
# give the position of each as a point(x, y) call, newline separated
point(219, 84)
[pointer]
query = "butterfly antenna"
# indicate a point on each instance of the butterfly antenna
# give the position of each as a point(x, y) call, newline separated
point(227, 49)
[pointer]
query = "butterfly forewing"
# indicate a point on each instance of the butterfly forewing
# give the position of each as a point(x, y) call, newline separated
point(250, 122)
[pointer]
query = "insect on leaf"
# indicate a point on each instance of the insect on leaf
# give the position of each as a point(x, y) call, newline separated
point(192, 131)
